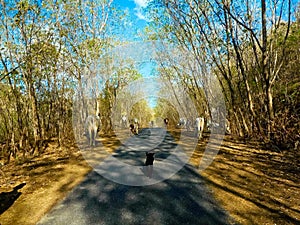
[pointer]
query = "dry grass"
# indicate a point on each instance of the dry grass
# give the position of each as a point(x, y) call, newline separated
point(254, 185)
point(48, 177)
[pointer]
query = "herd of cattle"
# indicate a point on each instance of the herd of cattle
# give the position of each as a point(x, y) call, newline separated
point(92, 126)
point(197, 125)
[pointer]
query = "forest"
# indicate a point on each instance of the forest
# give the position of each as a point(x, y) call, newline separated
point(53, 51)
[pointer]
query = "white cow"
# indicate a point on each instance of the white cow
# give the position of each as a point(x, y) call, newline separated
point(212, 125)
point(218, 128)
point(136, 125)
point(124, 121)
point(227, 127)
point(91, 127)
point(199, 127)
point(189, 125)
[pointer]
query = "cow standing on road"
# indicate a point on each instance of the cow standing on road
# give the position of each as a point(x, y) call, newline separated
point(199, 127)
point(166, 121)
point(124, 121)
point(181, 123)
point(189, 125)
point(151, 123)
point(134, 127)
point(91, 127)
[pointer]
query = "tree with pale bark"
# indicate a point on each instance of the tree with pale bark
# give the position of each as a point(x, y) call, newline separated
point(244, 44)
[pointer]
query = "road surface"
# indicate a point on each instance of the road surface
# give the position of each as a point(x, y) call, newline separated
point(181, 199)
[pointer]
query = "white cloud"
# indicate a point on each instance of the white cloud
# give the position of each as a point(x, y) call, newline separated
point(140, 15)
point(141, 3)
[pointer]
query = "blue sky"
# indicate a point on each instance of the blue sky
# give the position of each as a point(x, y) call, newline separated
point(137, 24)
point(135, 6)
point(136, 16)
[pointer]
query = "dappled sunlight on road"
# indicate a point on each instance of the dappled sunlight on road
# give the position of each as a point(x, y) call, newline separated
point(182, 199)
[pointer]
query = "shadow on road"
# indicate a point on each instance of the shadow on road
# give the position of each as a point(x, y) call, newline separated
point(181, 199)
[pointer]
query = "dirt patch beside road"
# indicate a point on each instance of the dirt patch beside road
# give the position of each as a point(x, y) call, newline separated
point(47, 178)
point(255, 185)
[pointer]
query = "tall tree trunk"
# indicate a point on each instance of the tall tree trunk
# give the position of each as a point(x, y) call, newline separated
point(33, 112)
point(264, 71)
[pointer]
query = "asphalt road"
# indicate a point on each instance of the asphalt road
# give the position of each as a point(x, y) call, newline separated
point(181, 199)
